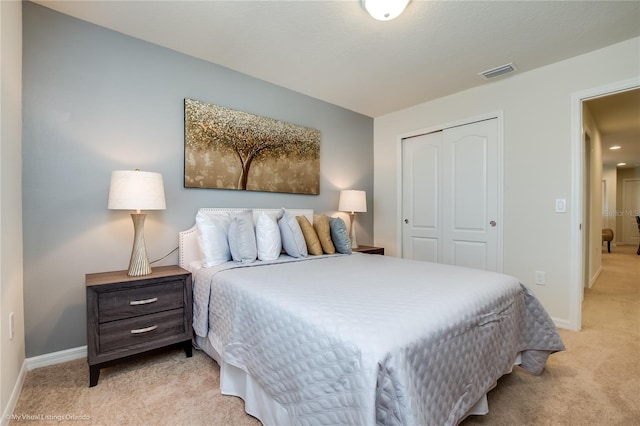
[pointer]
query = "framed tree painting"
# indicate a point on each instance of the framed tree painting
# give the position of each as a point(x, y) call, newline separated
point(229, 149)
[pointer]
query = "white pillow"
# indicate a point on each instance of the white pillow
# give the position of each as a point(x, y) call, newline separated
point(242, 238)
point(292, 237)
point(213, 229)
point(268, 237)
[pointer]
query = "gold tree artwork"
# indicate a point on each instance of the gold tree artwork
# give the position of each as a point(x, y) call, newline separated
point(229, 149)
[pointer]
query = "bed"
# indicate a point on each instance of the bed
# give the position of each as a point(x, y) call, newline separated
point(359, 339)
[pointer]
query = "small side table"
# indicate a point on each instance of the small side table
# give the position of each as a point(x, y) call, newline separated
point(369, 249)
point(130, 315)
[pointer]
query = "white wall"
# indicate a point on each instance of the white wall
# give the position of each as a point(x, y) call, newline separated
point(594, 187)
point(609, 175)
point(538, 153)
point(11, 298)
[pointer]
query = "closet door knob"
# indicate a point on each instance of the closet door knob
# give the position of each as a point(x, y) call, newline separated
point(493, 223)
point(406, 221)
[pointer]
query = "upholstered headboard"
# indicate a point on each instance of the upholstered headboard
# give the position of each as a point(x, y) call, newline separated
point(189, 250)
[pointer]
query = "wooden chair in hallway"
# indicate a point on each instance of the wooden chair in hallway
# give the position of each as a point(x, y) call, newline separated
point(638, 220)
point(607, 236)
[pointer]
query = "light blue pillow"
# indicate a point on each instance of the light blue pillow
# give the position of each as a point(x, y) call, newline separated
point(242, 238)
point(339, 235)
point(292, 237)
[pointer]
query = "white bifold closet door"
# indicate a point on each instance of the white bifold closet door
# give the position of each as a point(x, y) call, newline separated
point(450, 196)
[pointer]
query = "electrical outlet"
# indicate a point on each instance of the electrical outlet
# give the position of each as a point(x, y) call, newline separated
point(12, 328)
point(540, 277)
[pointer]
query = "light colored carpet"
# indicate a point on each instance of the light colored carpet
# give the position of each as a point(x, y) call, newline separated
point(161, 389)
point(596, 381)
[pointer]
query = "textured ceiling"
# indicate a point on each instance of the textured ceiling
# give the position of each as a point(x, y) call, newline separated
point(334, 51)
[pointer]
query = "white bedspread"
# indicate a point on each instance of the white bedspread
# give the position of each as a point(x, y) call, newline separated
point(366, 339)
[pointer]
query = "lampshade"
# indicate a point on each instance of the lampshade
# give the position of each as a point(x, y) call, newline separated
point(352, 200)
point(384, 10)
point(136, 190)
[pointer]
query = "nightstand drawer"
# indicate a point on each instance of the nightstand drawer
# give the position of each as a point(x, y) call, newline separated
point(157, 307)
point(141, 330)
point(136, 301)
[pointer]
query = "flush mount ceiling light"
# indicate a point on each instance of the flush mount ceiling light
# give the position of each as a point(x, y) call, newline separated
point(384, 10)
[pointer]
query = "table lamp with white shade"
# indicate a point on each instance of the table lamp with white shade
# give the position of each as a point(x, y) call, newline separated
point(137, 190)
point(353, 201)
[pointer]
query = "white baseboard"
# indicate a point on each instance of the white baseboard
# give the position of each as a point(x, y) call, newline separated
point(13, 400)
point(595, 277)
point(563, 323)
point(56, 357)
point(36, 362)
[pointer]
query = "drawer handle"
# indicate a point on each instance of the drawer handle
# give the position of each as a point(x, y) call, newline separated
point(143, 302)
point(144, 330)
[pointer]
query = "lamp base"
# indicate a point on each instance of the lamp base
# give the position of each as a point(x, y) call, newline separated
point(352, 231)
point(139, 262)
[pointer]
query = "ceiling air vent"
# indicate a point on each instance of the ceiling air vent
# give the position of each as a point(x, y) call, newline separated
point(494, 72)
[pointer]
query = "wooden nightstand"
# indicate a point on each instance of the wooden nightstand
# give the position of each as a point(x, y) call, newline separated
point(370, 250)
point(127, 315)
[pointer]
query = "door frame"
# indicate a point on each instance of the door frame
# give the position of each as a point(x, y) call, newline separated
point(587, 142)
point(499, 115)
point(577, 192)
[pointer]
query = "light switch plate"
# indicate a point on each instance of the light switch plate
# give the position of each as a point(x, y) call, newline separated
point(12, 327)
point(561, 205)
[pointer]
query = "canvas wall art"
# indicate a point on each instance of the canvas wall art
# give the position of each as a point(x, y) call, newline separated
point(230, 149)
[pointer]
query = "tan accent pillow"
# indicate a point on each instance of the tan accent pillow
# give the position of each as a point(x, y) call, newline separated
point(321, 225)
point(310, 236)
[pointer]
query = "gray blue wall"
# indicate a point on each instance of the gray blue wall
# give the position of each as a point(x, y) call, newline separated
point(95, 101)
